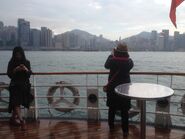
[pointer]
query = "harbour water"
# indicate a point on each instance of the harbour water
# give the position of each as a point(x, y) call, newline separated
point(60, 61)
point(54, 61)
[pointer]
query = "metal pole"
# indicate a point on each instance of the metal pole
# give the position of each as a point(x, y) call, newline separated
point(143, 120)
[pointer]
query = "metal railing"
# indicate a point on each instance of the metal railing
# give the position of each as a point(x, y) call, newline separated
point(88, 80)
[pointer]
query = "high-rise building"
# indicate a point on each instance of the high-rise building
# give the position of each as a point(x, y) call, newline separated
point(153, 35)
point(1, 25)
point(9, 35)
point(166, 39)
point(1, 33)
point(35, 37)
point(120, 39)
point(153, 39)
point(23, 32)
point(176, 40)
point(73, 41)
point(181, 40)
point(160, 42)
point(46, 37)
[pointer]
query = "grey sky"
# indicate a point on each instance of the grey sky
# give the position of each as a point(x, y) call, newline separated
point(112, 18)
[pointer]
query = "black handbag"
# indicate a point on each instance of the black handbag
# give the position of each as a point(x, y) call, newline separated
point(106, 88)
point(163, 102)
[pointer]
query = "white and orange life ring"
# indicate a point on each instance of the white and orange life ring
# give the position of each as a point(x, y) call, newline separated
point(56, 103)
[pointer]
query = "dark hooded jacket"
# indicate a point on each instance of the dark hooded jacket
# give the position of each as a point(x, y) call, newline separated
point(119, 74)
point(20, 87)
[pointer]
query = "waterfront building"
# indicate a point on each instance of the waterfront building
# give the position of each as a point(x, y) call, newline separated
point(46, 37)
point(120, 39)
point(1, 25)
point(23, 32)
point(176, 40)
point(35, 37)
point(160, 42)
point(181, 42)
point(166, 39)
point(1, 33)
point(57, 39)
point(153, 39)
point(9, 36)
point(73, 40)
point(68, 40)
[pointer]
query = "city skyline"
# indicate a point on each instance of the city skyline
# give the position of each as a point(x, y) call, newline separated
point(76, 39)
point(39, 28)
point(107, 17)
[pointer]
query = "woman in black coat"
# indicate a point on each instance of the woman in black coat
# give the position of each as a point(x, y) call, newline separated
point(19, 72)
point(119, 65)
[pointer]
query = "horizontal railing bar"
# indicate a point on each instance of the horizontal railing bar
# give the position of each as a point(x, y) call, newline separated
point(66, 97)
point(75, 85)
point(51, 107)
point(178, 88)
point(70, 85)
point(104, 72)
point(102, 97)
point(165, 113)
point(93, 108)
point(62, 85)
point(76, 97)
point(51, 85)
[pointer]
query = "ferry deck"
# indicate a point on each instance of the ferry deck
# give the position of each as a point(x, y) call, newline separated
point(56, 126)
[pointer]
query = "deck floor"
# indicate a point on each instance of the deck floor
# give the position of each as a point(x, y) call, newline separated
point(74, 129)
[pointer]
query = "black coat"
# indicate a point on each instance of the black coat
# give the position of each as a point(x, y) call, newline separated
point(121, 67)
point(20, 87)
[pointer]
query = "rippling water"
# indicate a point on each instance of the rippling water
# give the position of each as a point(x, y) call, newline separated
point(57, 61)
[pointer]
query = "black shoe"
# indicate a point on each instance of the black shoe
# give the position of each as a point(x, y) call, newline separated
point(111, 128)
point(125, 134)
point(23, 125)
point(14, 122)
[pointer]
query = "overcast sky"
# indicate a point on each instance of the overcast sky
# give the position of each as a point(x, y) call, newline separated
point(112, 18)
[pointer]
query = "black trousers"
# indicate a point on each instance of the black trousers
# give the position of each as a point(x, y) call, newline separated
point(124, 118)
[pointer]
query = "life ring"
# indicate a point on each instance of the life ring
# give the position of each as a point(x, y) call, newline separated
point(52, 90)
point(183, 104)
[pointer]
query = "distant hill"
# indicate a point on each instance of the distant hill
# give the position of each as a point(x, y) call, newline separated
point(144, 35)
point(139, 42)
point(82, 40)
point(81, 33)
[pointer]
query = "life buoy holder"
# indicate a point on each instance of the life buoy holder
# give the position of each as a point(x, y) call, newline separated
point(56, 102)
point(183, 104)
point(5, 87)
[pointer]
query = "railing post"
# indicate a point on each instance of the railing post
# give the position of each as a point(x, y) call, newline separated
point(93, 102)
point(86, 80)
point(171, 81)
point(163, 120)
point(35, 99)
point(97, 81)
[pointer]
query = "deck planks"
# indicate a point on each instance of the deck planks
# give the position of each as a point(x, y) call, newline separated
point(77, 129)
